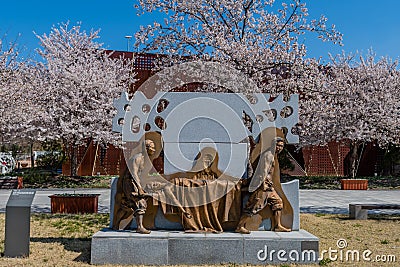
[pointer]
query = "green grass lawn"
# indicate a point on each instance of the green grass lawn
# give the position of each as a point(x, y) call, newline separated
point(49, 181)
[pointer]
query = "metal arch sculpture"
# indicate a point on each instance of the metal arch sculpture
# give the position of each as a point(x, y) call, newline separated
point(264, 113)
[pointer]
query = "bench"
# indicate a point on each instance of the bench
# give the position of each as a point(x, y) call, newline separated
point(8, 182)
point(360, 211)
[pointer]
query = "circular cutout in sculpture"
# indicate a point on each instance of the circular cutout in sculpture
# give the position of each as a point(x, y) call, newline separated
point(146, 127)
point(286, 112)
point(162, 105)
point(271, 114)
point(146, 108)
point(127, 107)
point(135, 127)
point(252, 98)
point(160, 122)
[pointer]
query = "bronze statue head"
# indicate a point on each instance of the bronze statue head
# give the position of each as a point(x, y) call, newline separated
point(150, 147)
point(278, 144)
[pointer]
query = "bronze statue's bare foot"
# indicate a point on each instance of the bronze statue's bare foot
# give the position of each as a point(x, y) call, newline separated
point(143, 231)
point(280, 228)
point(242, 230)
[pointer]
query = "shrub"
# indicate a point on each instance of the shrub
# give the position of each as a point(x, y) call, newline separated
point(51, 161)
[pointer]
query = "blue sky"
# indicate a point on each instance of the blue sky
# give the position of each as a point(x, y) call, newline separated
point(364, 23)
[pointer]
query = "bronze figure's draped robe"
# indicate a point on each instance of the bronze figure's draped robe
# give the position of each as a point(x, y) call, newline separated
point(204, 187)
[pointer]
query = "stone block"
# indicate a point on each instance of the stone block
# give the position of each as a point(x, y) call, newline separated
point(291, 190)
point(357, 212)
point(280, 248)
point(121, 247)
point(195, 116)
point(177, 248)
point(112, 198)
point(205, 249)
point(180, 157)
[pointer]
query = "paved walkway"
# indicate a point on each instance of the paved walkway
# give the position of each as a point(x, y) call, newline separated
point(41, 202)
point(311, 201)
point(337, 201)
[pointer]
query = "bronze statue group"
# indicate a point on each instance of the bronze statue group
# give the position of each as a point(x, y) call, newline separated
point(265, 196)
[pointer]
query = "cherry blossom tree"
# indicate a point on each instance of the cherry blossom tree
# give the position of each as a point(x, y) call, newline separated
point(10, 89)
point(16, 107)
point(260, 38)
point(358, 102)
point(341, 100)
point(75, 87)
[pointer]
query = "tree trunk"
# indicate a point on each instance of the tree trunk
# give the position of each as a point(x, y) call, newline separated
point(32, 156)
point(353, 166)
point(73, 159)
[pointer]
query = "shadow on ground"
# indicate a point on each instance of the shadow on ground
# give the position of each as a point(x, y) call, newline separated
point(80, 245)
point(324, 209)
point(395, 216)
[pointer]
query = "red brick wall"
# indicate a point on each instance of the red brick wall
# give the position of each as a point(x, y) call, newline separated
point(93, 159)
point(325, 160)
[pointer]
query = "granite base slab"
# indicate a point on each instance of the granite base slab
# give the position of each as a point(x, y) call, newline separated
point(178, 247)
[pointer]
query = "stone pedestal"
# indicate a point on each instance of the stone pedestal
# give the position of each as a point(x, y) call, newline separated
point(172, 246)
point(177, 247)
